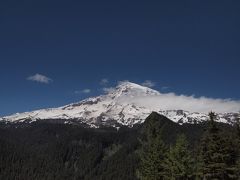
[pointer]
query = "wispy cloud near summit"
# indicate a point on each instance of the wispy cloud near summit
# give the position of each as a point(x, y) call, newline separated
point(172, 101)
point(149, 83)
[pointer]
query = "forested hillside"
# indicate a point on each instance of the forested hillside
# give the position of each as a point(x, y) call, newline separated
point(45, 151)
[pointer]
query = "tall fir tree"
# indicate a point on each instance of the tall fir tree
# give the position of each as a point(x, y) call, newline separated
point(237, 119)
point(217, 153)
point(179, 164)
point(151, 154)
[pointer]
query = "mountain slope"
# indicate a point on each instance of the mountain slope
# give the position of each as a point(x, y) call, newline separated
point(119, 107)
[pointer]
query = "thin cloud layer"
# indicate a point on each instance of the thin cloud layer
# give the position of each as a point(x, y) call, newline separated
point(40, 78)
point(171, 101)
point(148, 83)
point(84, 91)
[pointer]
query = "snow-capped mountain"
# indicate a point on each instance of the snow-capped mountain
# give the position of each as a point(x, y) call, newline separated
point(120, 106)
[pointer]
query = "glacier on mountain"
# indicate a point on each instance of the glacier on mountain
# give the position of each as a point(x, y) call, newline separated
point(120, 106)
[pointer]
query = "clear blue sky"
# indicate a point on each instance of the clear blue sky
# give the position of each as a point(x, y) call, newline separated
point(192, 47)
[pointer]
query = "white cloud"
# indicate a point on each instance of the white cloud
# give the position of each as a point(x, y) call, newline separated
point(84, 91)
point(40, 78)
point(108, 90)
point(148, 83)
point(171, 101)
point(104, 81)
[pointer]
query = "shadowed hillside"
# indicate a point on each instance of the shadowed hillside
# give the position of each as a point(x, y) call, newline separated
point(56, 151)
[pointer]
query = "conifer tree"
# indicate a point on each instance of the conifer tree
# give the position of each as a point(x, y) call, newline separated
point(179, 164)
point(152, 154)
point(237, 119)
point(218, 153)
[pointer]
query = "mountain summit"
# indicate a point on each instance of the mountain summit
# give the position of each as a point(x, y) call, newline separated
point(120, 106)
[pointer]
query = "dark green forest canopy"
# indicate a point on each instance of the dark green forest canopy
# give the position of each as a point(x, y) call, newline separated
point(43, 151)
